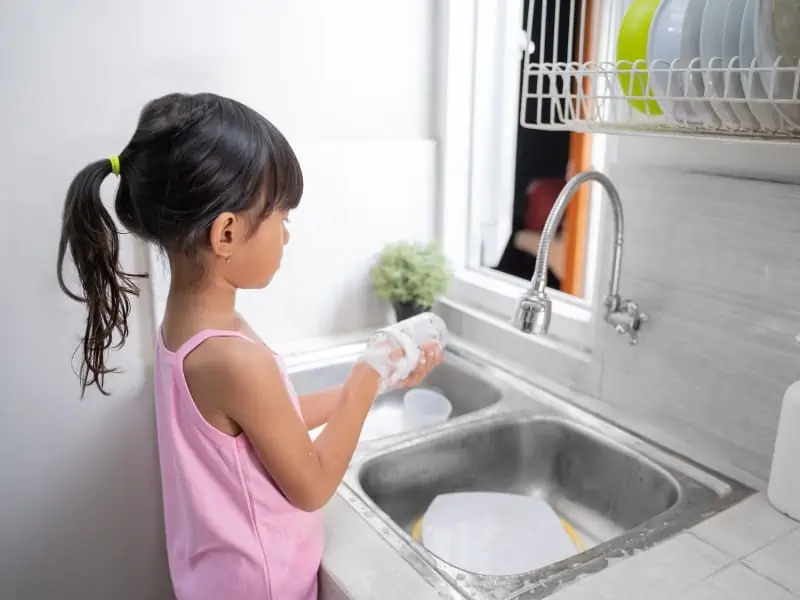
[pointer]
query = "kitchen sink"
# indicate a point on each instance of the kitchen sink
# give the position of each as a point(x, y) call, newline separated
point(599, 488)
point(622, 494)
point(463, 387)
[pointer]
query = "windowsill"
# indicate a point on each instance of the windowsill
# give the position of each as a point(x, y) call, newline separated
point(541, 356)
point(496, 295)
point(478, 310)
point(502, 324)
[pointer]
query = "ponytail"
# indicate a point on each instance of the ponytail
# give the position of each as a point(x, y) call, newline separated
point(93, 240)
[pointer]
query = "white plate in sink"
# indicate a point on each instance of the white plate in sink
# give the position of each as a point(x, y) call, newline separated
point(493, 533)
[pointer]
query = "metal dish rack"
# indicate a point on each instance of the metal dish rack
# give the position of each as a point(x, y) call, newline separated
point(578, 85)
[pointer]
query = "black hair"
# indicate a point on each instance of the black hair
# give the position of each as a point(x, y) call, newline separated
point(191, 158)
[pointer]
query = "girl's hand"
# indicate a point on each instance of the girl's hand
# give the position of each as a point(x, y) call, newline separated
point(430, 357)
point(384, 356)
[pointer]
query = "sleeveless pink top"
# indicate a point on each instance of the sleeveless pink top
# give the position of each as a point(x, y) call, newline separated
point(231, 534)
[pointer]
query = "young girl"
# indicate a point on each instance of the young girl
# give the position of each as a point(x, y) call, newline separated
point(212, 182)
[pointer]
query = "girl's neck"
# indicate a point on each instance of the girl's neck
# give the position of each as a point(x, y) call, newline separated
point(213, 306)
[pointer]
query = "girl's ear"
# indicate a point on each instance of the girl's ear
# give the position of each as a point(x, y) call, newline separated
point(226, 232)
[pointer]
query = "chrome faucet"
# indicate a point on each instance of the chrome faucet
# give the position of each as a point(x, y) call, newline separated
point(532, 314)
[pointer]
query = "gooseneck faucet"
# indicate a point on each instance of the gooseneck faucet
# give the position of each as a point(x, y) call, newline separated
point(534, 308)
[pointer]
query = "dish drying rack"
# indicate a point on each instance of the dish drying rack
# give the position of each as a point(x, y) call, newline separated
point(578, 85)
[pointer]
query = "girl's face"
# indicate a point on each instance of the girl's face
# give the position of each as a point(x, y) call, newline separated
point(249, 259)
point(259, 256)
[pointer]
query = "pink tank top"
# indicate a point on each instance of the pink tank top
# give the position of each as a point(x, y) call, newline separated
point(231, 534)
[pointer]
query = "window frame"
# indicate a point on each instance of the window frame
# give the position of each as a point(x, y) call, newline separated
point(478, 112)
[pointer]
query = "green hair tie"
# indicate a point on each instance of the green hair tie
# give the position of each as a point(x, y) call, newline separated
point(114, 160)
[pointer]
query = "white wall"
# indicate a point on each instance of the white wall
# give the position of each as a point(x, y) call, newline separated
point(349, 82)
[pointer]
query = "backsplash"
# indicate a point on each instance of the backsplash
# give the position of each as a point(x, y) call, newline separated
point(715, 262)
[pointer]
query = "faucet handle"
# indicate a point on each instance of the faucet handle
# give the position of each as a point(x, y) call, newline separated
point(628, 318)
point(631, 308)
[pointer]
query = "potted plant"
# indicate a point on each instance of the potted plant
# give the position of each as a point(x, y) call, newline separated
point(411, 276)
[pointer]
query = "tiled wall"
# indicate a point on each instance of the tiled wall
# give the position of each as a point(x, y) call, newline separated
point(715, 261)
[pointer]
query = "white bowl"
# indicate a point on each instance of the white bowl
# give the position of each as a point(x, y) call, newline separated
point(667, 72)
point(760, 106)
point(712, 33)
point(424, 407)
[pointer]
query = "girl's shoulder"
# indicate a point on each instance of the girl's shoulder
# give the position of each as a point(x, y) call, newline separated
point(225, 372)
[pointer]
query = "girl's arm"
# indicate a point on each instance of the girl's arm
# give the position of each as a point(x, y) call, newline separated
point(318, 407)
point(243, 382)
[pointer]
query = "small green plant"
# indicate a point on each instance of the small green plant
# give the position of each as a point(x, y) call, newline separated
point(411, 274)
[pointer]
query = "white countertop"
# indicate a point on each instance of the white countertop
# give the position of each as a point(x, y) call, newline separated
point(749, 552)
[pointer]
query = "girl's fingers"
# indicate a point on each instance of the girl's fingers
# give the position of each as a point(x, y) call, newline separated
point(429, 359)
point(430, 356)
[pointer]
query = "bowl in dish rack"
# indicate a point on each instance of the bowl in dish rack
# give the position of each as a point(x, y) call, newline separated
point(673, 53)
point(632, 43)
point(667, 72)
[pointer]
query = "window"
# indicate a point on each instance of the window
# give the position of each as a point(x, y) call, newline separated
point(496, 176)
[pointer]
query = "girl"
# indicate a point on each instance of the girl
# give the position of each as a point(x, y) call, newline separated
point(212, 182)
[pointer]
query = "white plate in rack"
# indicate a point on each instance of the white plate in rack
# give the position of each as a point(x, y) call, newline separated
point(667, 71)
point(712, 34)
point(731, 42)
point(779, 84)
point(760, 106)
point(690, 56)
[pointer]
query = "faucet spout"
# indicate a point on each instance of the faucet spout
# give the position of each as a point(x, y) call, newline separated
point(534, 308)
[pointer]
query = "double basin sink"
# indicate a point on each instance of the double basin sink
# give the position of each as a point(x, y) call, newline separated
point(620, 493)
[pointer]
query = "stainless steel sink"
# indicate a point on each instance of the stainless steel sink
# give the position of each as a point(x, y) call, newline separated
point(465, 389)
point(621, 493)
point(601, 489)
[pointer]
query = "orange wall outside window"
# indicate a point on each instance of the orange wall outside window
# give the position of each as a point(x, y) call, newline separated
point(576, 219)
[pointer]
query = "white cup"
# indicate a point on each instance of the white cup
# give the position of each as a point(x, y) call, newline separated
point(424, 407)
